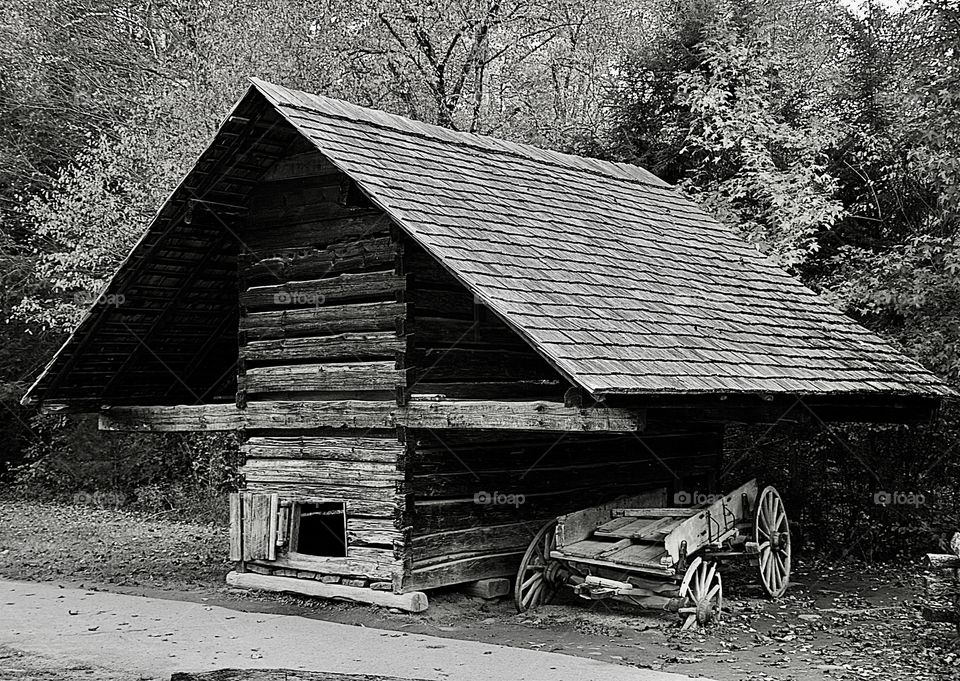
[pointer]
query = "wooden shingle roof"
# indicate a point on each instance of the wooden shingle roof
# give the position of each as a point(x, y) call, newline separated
point(617, 278)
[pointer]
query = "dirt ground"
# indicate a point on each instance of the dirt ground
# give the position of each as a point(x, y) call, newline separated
point(838, 621)
point(15, 664)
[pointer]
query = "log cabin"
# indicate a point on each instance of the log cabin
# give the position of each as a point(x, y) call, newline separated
point(432, 342)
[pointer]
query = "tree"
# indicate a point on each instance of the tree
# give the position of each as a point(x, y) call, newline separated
point(897, 254)
point(718, 104)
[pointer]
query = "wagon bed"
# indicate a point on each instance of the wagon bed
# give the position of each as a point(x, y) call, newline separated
point(637, 549)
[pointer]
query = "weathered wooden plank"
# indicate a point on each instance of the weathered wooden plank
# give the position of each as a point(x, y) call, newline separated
point(326, 291)
point(278, 266)
point(360, 503)
point(259, 525)
point(373, 531)
point(321, 320)
point(488, 589)
point(236, 527)
point(357, 346)
point(384, 567)
point(411, 601)
point(696, 531)
point(372, 553)
point(337, 414)
point(464, 570)
point(479, 390)
point(649, 565)
point(320, 489)
point(458, 414)
point(577, 526)
point(665, 512)
point(323, 377)
point(323, 472)
point(537, 415)
point(381, 450)
point(265, 236)
point(204, 417)
point(472, 540)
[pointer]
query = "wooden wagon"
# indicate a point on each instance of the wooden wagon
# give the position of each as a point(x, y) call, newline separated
point(659, 557)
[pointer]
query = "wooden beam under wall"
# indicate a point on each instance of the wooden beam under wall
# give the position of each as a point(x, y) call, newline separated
point(411, 601)
point(457, 414)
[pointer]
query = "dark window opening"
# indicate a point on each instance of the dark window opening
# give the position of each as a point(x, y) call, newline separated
point(322, 529)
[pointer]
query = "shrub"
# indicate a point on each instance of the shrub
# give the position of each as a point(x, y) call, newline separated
point(186, 474)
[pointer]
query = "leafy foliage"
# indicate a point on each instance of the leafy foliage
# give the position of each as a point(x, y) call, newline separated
point(750, 165)
point(88, 221)
point(74, 461)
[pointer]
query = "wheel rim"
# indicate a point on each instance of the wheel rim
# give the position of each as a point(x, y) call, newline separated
point(772, 534)
point(702, 594)
point(536, 579)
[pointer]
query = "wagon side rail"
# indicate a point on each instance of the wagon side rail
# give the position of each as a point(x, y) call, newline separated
point(714, 524)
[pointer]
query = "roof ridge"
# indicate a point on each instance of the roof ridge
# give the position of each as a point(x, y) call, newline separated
point(487, 143)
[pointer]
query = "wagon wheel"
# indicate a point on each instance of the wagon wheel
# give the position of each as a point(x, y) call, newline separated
point(537, 581)
point(772, 534)
point(702, 594)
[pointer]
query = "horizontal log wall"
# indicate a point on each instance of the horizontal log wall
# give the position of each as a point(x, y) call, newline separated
point(477, 498)
point(321, 315)
point(320, 296)
point(363, 470)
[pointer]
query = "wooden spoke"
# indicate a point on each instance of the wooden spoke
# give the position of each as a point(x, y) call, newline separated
point(533, 586)
point(772, 534)
point(689, 574)
point(530, 580)
point(702, 594)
